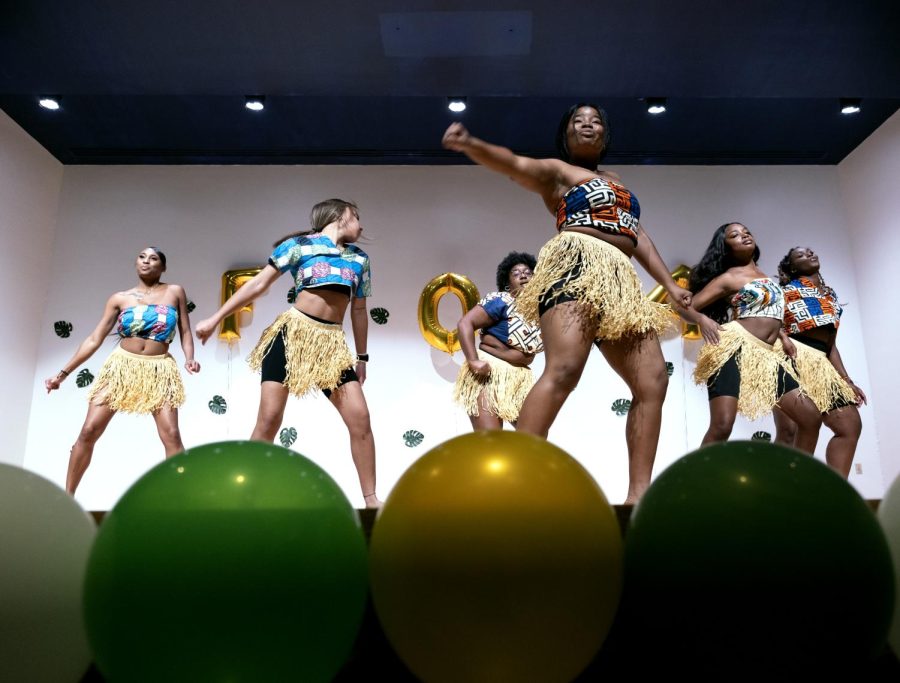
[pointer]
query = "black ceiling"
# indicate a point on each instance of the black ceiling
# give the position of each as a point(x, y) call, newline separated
point(747, 81)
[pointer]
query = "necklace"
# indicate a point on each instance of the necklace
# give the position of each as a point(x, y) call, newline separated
point(140, 295)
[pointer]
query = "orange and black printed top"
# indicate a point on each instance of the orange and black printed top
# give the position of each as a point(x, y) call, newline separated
point(601, 204)
point(808, 306)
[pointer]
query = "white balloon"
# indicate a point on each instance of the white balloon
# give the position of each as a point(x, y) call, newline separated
point(889, 516)
point(45, 541)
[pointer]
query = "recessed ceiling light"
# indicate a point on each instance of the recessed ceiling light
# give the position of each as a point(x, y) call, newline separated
point(51, 103)
point(255, 102)
point(656, 105)
point(456, 104)
point(850, 105)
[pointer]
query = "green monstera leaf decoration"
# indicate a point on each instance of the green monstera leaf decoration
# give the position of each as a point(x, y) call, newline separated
point(218, 405)
point(287, 436)
point(191, 306)
point(62, 328)
point(84, 378)
point(761, 436)
point(292, 295)
point(412, 438)
point(621, 406)
point(670, 368)
point(380, 315)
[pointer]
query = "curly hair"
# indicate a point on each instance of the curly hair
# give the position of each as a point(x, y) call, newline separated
point(562, 131)
point(715, 261)
point(511, 260)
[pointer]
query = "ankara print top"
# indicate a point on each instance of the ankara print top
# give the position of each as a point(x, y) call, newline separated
point(508, 327)
point(314, 260)
point(601, 204)
point(156, 322)
point(808, 306)
point(759, 298)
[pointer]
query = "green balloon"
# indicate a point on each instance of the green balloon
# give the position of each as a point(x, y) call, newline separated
point(758, 559)
point(233, 561)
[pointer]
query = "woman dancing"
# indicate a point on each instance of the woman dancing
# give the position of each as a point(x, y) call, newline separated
point(495, 379)
point(744, 363)
point(139, 376)
point(584, 287)
point(811, 319)
point(304, 350)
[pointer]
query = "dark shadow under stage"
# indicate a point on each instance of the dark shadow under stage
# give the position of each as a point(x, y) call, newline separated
point(373, 658)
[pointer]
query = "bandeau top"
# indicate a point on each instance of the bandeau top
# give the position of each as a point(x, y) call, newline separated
point(759, 298)
point(601, 204)
point(156, 322)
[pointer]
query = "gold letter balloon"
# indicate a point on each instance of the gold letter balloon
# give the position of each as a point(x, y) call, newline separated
point(449, 283)
point(681, 275)
point(232, 281)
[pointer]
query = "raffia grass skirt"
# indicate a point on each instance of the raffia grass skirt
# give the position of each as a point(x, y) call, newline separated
point(757, 362)
point(505, 388)
point(316, 352)
point(820, 380)
point(594, 273)
point(132, 383)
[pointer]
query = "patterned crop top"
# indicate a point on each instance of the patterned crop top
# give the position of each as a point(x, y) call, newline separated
point(314, 260)
point(155, 322)
point(759, 298)
point(601, 204)
point(808, 306)
point(508, 327)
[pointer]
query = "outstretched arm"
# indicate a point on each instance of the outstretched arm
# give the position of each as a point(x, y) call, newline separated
point(538, 175)
point(251, 291)
point(359, 321)
point(184, 332)
point(89, 346)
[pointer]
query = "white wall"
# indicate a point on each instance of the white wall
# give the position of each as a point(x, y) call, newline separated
point(421, 221)
point(30, 180)
point(870, 186)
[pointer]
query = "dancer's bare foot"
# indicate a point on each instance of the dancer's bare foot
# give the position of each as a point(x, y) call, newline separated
point(372, 501)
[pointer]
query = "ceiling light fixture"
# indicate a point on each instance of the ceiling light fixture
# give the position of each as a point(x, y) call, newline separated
point(255, 102)
point(850, 105)
point(51, 103)
point(456, 104)
point(656, 105)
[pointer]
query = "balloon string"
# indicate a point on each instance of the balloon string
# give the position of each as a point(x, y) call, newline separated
point(228, 373)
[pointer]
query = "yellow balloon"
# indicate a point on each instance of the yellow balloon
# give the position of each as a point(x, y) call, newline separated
point(448, 283)
point(496, 558)
point(682, 276)
point(232, 281)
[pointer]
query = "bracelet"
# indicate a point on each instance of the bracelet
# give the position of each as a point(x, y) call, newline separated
point(362, 357)
point(63, 373)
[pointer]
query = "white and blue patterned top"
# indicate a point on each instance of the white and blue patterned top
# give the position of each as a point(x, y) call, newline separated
point(509, 326)
point(314, 260)
point(759, 298)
